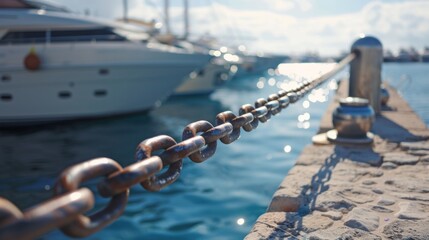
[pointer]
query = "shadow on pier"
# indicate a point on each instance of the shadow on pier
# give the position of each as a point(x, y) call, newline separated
point(293, 221)
point(391, 131)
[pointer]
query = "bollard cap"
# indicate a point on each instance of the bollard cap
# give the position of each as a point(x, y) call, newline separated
point(367, 41)
point(354, 102)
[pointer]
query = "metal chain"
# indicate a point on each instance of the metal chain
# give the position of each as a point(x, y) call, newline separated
point(199, 141)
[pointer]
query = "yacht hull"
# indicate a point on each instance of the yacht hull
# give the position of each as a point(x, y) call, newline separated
point(90, 86)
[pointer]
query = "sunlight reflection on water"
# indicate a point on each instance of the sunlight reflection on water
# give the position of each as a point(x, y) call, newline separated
point(220, 198)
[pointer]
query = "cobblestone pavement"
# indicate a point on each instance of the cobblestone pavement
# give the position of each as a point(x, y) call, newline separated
point(379, 191)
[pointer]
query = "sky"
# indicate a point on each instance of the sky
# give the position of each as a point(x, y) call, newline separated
point(327, 27)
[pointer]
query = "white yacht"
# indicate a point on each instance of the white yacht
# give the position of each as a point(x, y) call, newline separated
point(55, 65)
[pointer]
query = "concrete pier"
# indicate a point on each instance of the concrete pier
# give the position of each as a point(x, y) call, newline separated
point(378, 191)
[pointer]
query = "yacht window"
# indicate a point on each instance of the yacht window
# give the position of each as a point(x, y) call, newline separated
point(24, 37)
point(83, 35)
point(6, 97)
point(103, 71)
point(102, 34)
point(100, 93)
point(64, 94)
point(6, 78)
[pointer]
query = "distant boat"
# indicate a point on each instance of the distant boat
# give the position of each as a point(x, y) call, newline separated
point(214, 74)
point(55, 65)
point(408, 55)
point(258, 63)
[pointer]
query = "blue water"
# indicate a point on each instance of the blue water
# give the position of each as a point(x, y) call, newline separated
point(412, 82)
point(218, 199)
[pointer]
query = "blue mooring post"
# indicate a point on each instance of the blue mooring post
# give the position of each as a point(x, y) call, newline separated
point(365, 71)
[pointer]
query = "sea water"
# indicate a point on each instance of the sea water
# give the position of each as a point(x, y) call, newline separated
point(220, 198)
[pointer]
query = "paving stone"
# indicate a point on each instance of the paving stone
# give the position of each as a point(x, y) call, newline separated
point(381, 209)
point(340, 233)
point(275, 225)
point(378, 191)
point(335, 205)
point(412, 211)
point(389, 182)
point(412, 196)
point(416, 183)
point(386, 201)
point(422, 145)
point(314, 222)
point(388, 165)
point(349, 174)
point(384, 146)
point(368, 182)
point(400, 158)
point(402, 229)
point(357, 163)
point(377, 173)
point(419, 152)
point(333, 215)
point(358, 196)
point(424, 160)
point(363, 219)
point(355, 234)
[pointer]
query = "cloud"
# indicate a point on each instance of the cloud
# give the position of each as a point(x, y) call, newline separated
point(304, 5)
point(284, 6)
point(395, 24)
point(281, 5)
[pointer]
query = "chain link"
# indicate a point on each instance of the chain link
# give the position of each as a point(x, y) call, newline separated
point(199, 141)
point(70, 180)
point(225, 117)
point(42, 218)
point(260, 102)
point(129, 176)
point(144, 152)
point(245, 109)
point(191, 132)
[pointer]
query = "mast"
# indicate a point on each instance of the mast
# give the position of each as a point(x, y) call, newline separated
point(167, 16)
point(125, 6)
point(186, 19)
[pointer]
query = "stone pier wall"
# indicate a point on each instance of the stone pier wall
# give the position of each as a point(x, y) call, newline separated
point(378, 191)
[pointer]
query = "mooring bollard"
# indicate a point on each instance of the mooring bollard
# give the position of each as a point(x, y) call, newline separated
point(365, 71)
point(353, 118)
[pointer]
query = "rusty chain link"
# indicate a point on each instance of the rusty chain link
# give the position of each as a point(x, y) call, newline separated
point(199, 141)
point(70, 180)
